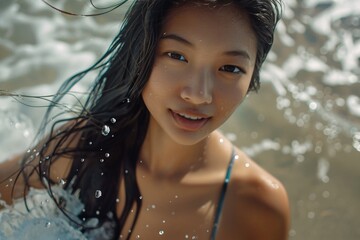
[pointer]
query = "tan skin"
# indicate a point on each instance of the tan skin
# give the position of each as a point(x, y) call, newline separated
point(201, 72)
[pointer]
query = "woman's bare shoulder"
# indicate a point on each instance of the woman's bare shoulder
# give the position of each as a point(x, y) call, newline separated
point(258, 201)
point(12, 182)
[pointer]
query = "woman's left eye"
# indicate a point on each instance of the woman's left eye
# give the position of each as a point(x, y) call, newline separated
point(176, 56)
point(231, 69)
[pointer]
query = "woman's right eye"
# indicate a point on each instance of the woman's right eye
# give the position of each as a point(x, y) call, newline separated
point(176, 56)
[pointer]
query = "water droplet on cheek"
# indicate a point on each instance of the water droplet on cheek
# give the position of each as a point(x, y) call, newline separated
point(161, 232)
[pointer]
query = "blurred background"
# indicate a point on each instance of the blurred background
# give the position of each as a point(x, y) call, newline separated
point(303, 125)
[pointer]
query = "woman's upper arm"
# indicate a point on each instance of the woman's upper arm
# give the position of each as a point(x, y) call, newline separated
point(9, 170)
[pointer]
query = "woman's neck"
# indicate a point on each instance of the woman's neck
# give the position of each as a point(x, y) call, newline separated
point(163, 157)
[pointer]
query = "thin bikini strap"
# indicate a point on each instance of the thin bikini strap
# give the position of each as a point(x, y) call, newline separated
point(222, 196)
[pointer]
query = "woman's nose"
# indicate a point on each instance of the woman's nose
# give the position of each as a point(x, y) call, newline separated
point(198, 88)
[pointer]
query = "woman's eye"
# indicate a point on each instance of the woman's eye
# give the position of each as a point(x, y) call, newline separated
point(176, 56)
point(231, 69)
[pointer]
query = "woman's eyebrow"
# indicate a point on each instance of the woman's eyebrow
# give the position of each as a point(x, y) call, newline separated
point(238, 53)
point(177, 38)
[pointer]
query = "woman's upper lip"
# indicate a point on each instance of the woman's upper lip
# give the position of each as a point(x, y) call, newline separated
point(192, 113)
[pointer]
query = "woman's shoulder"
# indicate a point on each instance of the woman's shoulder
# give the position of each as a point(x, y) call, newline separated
point(257, 200)
point(12, 171)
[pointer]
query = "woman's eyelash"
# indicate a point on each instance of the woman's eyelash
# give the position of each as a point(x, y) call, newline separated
point(226, 68)
point(176, 56)
point(232, 69)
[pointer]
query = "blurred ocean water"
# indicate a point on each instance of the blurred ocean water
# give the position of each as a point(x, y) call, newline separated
point(303, 125)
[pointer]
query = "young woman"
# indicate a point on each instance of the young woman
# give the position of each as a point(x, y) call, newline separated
point(144, 156)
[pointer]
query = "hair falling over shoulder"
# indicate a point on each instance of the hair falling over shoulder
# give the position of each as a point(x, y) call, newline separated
point(103, 140)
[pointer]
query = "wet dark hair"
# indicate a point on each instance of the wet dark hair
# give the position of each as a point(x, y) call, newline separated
point(113, 120)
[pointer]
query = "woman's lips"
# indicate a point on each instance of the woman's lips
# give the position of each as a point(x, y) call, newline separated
point(188, 121)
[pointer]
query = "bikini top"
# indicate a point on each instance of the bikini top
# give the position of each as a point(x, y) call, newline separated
point(222, 196)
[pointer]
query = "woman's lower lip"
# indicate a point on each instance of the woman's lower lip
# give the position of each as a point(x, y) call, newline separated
point(188, 124)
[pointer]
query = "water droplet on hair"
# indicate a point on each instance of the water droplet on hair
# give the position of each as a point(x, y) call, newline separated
point(48, 224)
point(97, 212)
point(105, 130)
point(62, 181)
point(98, 193)
point(113, 120)
point(82, 160)
point(102, 160)
point(161, 232)
point(107, 155)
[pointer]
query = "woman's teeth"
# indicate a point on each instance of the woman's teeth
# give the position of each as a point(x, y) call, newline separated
point(190, 117)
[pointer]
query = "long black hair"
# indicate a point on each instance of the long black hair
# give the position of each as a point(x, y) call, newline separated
point(113, 120)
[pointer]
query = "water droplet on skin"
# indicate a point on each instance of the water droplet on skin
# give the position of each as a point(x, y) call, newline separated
point(137, 236)
point(153, 206)
point(161, 232)
point(247, 165)
point(186, 236)
point(141, 197)
point(163, 221)
point(105, 130)
point(98, 193)
point(221, 140)
point(113, 120)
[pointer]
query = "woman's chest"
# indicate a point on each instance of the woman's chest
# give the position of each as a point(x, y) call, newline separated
point(173, 211)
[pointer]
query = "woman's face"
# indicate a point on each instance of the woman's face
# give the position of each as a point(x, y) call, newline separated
point(202, 70)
